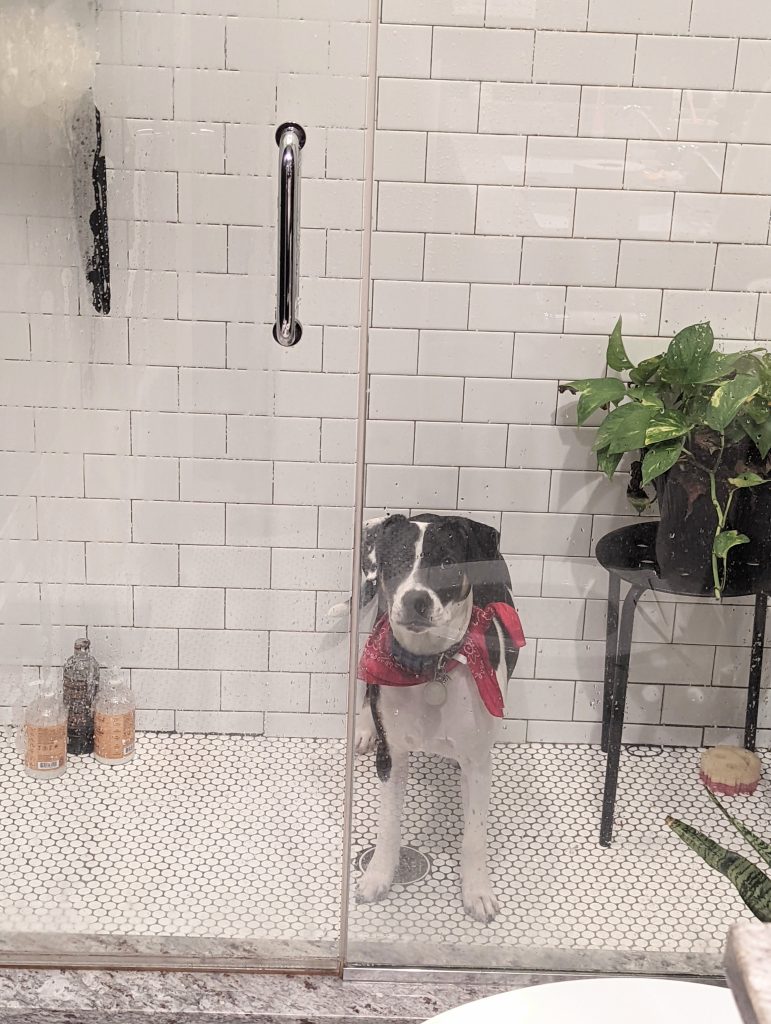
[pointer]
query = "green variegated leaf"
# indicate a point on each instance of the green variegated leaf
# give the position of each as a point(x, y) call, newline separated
point(607, 463)
point(616, 356)
point(746, 480)
point(760, 433)
point(639, 502)
point(623, 430)
point(643, 372)
point(715, 366)
point(607, 429)
point(726, 540)
point(575, 387)
point(728, 399)
point(748, 362)
point(661, 458)
point(758, 409)
point(760, 846)
point(666, 425)
point(596, 394)
point(645, 395)
point(690, 347)
point(751, 883)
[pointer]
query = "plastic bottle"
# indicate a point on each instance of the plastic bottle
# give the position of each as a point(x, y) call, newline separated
point(114, 715)
point(81, 678)
point(45, 734)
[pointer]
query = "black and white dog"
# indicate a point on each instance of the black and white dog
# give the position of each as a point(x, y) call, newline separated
point(436, 665)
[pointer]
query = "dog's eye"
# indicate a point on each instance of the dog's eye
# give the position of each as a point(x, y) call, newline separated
point(447, 563)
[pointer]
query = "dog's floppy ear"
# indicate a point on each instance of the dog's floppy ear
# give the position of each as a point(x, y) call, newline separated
point(483, 541)
point(490, 578)
point(371, 535)
point(486, 567)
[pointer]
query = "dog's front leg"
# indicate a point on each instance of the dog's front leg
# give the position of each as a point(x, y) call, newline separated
point(379, 875)
point(478, 898)
point(366, 734)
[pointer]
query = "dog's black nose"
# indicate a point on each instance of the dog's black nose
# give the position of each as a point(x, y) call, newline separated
point(417, 604)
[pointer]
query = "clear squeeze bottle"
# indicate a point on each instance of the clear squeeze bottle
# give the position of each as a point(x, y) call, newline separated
point(114, 714)
point(45, 734)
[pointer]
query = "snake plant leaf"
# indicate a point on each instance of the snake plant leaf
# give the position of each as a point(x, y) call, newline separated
point(607, 463)
point(666, 425)
point(751, 883)
point(726, 540)
point(760, 433)
point(646, 369)
point(594, 393)
point(746, 480)
point(728, 399)
point(616, 356)
point(661, 458)
point(689, 348)
point(760, 846)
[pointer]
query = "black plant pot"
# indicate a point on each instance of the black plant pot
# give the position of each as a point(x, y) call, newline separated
point(686, 529)
point(688, 519)
point(751, 515)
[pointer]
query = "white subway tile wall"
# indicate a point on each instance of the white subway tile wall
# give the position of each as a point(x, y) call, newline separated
point(612, 159)
point(164, 486)
point(541, 166)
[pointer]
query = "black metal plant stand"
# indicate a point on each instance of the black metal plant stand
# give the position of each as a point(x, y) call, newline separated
point(629, 554)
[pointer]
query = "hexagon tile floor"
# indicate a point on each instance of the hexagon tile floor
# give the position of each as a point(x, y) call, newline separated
point(559, 889)
point(228, 836)
point(239, 838)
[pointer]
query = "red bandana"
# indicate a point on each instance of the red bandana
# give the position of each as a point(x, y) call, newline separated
point(377, 665)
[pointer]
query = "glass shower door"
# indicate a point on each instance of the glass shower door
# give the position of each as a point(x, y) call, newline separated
point(540, 170)
point(178, 487)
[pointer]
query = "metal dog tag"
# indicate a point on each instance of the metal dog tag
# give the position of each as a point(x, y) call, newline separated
point(435, 692)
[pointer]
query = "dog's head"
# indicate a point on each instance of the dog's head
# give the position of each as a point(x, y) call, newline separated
point(428, 572)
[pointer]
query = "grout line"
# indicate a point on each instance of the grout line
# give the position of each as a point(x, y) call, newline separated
point(736, 64)
point(634, 60)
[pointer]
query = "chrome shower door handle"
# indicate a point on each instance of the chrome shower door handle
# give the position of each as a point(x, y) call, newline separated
point(287, 329)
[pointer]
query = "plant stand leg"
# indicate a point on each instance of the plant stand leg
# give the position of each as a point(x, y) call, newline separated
point(618, 706)
point(756, 669)
point(611, 649)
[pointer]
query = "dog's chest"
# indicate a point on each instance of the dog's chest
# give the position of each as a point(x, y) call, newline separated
point(422, 718)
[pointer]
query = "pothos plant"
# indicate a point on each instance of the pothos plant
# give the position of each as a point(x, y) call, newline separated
point(690, 405)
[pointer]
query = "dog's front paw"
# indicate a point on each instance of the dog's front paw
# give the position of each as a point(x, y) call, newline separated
point(374, 885)
point(365, 736)
point(479, 900)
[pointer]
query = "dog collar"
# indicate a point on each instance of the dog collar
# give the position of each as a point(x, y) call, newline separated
point(378, 665)
point(424, 665)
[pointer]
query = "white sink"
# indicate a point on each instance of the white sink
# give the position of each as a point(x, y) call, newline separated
point(602, 1001)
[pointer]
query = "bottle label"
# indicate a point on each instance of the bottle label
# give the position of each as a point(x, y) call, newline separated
point(46, 747)
point(114, 735)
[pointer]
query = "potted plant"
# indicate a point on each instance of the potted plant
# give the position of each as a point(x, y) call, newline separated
point(701, 422)
point(752, 884)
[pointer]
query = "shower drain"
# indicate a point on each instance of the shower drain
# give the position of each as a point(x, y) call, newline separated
point(413, 865)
